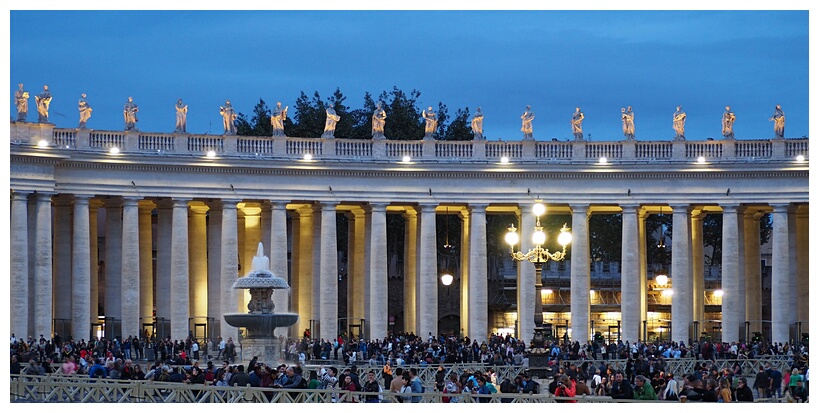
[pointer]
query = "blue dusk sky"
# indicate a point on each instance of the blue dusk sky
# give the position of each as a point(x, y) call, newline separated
point(499, 60)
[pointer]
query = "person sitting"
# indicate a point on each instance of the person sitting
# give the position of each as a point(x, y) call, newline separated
point(621, 389)
point(743, 393)
point(800, 393)
point(566, 388)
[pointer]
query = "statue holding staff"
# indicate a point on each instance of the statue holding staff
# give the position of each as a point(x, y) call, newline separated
point(330, 123)
point(21, 101)
point(778, 119)
point(526, 123)
point(679, 124)
point(379, 120)
point(181, 116)
point(228, 116)
point(577, 124)
point(129, 112)
point(728, 119)
point(431, 122)
point(477, 125)
point(43, 101)
point(277, 119)
point(85, 111)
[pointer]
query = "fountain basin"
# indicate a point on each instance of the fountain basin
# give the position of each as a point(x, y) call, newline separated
point(261, 325)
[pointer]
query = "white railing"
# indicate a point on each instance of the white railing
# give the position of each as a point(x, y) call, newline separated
point(205, 143)
point(453, 149)
point(399, 149)
point(554, 150)
point(512, 150)
point(255, 145)
point(302, 146)
point(156, 142)
point(65, 138)
point(107, 140)
point(754, 149)
point(654, 150)
point(354, 148)
point(363, 150)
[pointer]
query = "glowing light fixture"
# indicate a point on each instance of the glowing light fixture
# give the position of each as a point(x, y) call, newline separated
point(800, 158)
point(661, 279)
point(504, 159)
point(43, 143)
point(447, 278)
point(308, 157)
point(211, 154)
point(701, 160)
point(114, 150)
point(603, 161)
point(718, 293)
point(406, 159)
point(538, 208)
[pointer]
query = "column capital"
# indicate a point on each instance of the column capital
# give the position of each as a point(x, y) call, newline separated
point(410, 213)
point(580, 209)
point(427, 206)
point(229, 202)
point(130, 200)
point(328, 204)
point(357, 213)
point(62, 200)
point(180, 202)
point(82, 199)
point(378, 206)
point(146, 206)
point(199, 209)
point(630, 208)
point(17, 195)
point(732, 207)
point(679, 208)
point(781, 207)
point(477, 206)
point(277, 205)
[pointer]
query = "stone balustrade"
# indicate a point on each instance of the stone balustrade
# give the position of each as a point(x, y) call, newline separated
point(418, 151)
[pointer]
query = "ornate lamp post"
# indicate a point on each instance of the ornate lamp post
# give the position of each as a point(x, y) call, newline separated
point(538, 256)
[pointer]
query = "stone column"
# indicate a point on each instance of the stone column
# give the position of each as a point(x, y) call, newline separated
point(780, 275)
point(802, 268)
point(146, 268)
point(32, 245)
point(581, 277)
point(278, 253)
point(410, 269)
point(630, 287)
point(180, 265)
point(753, 276)
point(427, 274)
point(93, 209)
point(215, 266)
point(18, 251)
point(130, 268)
point(365, 285)
point(61, 272)
point(113, 258)
point(697, 268)
point(229, 298)
point(43, 267)
point(198, 253)
point(164, 227)
point(793, 292)
point(681, 301)
point(732, 320)
point(328, 275)
point(478, 300)
point(316, 261)
point(356, 264)
point(526, 279)
point(304, 278)
point(641, 229)
point(252, 237)
point(378, 312)
point(464, 255)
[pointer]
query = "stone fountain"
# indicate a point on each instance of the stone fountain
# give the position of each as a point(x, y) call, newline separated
point(261, 321)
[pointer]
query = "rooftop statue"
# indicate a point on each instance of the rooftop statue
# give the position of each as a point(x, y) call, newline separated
point(728, 119)
point(181, 116)
point(778, 119)
point(577, 124)
point(43, 102)
point(477, 125)
point(379, 119)
point(431, 122)
point(85, 111)
point(628, 122)
point(129, 112)
point(526, 121)
point(679, 124)
point(21, 101)
point(330, 123)
point(277, 119)
point(228, 116)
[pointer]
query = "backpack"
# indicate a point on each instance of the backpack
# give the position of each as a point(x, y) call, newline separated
point(302, 384)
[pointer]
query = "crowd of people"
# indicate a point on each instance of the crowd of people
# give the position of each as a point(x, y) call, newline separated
point(644, 376)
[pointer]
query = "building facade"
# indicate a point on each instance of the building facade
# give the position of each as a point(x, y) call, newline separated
point(159, 229)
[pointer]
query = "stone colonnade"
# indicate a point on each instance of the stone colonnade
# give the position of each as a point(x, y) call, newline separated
point(200, 245)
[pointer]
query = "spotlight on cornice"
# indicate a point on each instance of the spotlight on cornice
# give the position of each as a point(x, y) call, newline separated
point(800, 158)
point(406, 159)
point(603, 161)
point(211, 154)
point(504, 159)
point(308, 157)
point(701, 160)
point(114, 150)
point(42, 143)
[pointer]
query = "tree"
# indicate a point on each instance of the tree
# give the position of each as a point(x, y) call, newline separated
point(309, 116)
point(259, 124)
point(345, 126)
point(460, 128)
point(404, 120)
point(362, 119)
point(605, 237)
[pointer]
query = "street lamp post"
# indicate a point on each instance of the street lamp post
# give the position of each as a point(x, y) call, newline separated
point(538, 256)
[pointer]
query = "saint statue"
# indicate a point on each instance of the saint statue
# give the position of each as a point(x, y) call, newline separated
point(129, 112)
point(628, 122)
point(679, 124)
point(477, 125)
point(577, 124)
point(379, 119)
point(21, 101)
point(431, 122)
point(778, 119)
point(277, 119)
point(330, 123)
point(228, 116)
point(181, 116)
point(728, 119)
point(526, 120)
point(43, 102)
point(85, 111)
